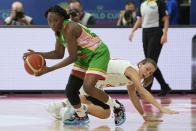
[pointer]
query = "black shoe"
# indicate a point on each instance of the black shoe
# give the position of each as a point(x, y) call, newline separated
point(164, 92)
point(119, 114)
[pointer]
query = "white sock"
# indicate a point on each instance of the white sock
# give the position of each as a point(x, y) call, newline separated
point(112, 103)
point(82, 110)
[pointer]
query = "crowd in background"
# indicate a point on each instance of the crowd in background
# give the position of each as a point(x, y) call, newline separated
point(127, 17)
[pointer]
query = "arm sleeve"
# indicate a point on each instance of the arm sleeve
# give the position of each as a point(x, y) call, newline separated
point(139, 13)
point(162, 8)
point(139, 10)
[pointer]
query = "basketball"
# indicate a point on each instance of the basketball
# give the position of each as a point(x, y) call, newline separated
point(33, 63)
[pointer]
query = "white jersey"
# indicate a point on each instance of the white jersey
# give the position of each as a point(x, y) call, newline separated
point(115, 74)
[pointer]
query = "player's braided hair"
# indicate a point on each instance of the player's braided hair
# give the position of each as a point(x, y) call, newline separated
point(57, 9)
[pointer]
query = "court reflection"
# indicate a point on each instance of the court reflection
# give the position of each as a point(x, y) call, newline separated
point(59, 126)
point(149, 126)
point(69, 127)
point(152, 111)
point(101, 128)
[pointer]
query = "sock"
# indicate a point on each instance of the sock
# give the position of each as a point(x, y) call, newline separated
point(82, 110)
point(112, 103)
point(85, 107)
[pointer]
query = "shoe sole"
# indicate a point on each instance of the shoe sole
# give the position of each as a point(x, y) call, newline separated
point(77, 122)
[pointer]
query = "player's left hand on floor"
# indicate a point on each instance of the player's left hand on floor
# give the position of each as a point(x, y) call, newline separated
point(168, 111)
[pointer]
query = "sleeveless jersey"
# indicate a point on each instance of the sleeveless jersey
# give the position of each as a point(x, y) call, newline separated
point(92, 54)
point(86, 40)
point(115, 74)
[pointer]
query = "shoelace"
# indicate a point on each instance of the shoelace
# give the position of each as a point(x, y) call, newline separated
point(118, 109)
point(75, 116)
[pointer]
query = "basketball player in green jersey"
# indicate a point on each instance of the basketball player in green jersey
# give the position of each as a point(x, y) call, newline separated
point(90, 57)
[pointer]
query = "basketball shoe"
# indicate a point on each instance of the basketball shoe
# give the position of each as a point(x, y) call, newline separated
point(75, 119)
point(119, 114)
point(55, 109)
point(68, 111)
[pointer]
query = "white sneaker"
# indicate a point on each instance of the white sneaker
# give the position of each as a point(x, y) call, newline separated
point(68, 111)
point(55, 109)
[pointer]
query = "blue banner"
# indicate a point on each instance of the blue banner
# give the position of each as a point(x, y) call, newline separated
point(193, 12)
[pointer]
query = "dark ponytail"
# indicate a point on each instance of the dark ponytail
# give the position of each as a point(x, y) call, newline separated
point(57, 9)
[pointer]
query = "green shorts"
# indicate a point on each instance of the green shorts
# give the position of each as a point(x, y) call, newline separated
point(92, 62)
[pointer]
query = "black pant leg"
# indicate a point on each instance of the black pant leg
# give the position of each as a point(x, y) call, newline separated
point(152, 49)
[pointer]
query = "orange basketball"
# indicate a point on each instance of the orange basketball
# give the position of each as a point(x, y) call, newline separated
point(33, 63)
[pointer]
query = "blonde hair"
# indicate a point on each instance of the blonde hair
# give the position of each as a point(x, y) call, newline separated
point(149, 60)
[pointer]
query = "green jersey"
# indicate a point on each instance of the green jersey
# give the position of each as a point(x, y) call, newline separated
point(92, 55)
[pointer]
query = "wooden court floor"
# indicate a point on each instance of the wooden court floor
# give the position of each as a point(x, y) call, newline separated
point(27, 113)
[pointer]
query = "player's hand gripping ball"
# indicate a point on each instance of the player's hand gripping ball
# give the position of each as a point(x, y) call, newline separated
point(34, 63)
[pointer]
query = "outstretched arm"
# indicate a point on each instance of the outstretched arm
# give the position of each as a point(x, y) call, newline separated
point(134, 99)
point(136, 102)
point(134, 77)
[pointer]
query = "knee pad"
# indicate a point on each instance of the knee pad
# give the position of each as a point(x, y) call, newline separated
point(72, 89)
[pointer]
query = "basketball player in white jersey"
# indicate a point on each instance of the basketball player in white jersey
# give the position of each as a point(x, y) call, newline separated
point(119, 73)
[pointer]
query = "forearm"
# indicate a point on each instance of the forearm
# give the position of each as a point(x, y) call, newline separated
point(134, 99)
point(149, 98)
point(166, 24)
point(61, 64)
point(137, 24)
point(136, 102)
point(50, 55)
